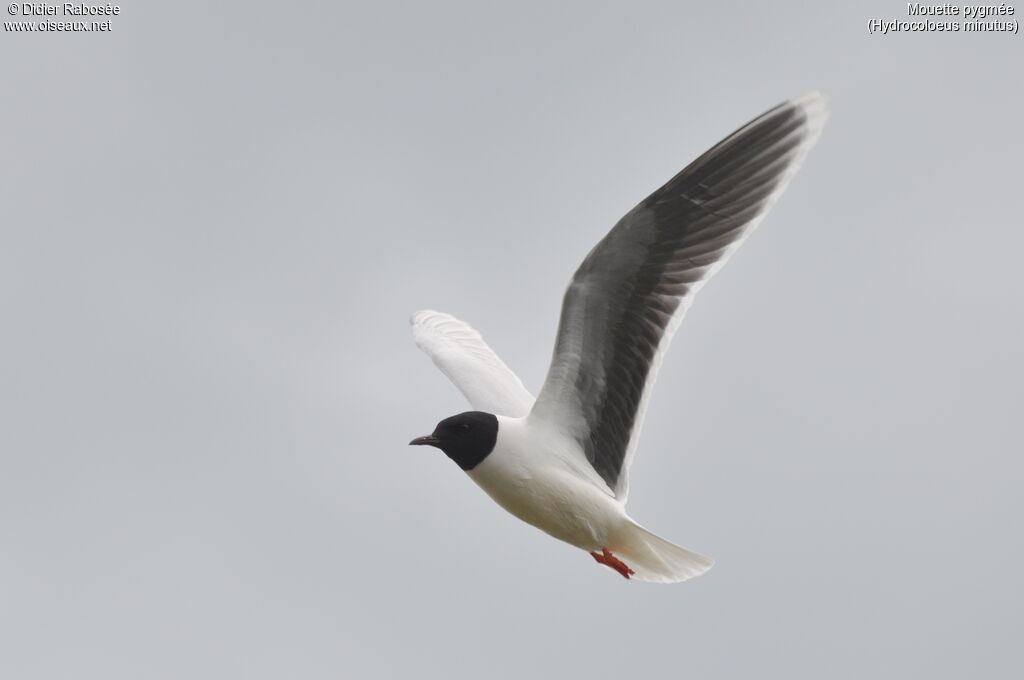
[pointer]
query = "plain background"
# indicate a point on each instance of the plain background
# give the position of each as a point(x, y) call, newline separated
point(216, 221)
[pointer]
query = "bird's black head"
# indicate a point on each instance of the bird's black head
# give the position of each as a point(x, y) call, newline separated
point(466, 438)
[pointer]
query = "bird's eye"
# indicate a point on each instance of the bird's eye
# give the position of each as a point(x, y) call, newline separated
point(463, 426)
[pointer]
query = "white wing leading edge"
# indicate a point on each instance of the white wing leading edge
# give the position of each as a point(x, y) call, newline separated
point(462, 355)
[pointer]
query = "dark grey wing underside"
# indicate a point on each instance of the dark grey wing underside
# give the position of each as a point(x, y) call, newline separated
point(625, 300)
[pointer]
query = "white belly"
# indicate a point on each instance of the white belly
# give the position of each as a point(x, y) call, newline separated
point(539, 488)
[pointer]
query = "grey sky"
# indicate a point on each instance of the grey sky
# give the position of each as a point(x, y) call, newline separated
point(217, 221)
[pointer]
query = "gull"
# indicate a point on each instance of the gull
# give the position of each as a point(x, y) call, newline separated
point(560, 462)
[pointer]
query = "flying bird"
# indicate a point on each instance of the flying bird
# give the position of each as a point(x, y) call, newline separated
point(560, 462)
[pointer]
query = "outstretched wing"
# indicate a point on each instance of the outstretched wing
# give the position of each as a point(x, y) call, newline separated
point(629, 295)
point(462, 355)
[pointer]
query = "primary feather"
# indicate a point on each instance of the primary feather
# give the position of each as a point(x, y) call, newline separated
point(629, 295)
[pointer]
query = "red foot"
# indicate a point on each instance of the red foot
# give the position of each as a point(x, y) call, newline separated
point(608, 559)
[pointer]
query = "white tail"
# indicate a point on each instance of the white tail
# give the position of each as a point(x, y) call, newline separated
point(655, 559)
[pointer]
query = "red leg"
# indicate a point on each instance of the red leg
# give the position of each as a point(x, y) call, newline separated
point(610, 560)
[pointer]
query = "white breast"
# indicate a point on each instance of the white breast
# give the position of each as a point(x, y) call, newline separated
point(531, 475)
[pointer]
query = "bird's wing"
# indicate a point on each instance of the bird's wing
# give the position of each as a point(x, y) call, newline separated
point(629, 295)
point(462, 355)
